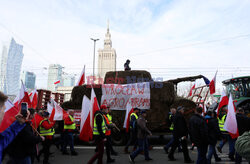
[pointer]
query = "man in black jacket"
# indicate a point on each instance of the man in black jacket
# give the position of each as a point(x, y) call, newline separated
point(214, 134)
point(180, 134)
point(199, 135)
point(22, 147)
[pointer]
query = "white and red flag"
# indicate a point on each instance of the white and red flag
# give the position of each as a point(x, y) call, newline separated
point(9, 115)
point(223, 101)
point(81, 80)
point(212, 84)
point(33, 98)
point(94, 107)
point(129, 111)
point(57, 82)
point(86, 132)
point(230, 124)
point(191, 90)
point(23, 96)
point(59, 112)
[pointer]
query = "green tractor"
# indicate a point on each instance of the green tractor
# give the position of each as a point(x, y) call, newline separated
point(239, 87)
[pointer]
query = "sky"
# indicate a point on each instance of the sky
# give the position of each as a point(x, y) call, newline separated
point(168, 38)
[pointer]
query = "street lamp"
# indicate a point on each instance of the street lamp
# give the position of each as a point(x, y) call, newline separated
point(94, 56)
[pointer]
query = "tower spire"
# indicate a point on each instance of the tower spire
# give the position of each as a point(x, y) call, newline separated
point(108, 26)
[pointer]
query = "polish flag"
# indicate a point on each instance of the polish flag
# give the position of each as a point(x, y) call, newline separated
point(129, 111)
point(94, 107)
point(9, 115)
point(86, 132)
point(223, 101)
point(23, 96)
point(231, 122)
point(191, 90)
point(33, 98)
point(60, 113)
point(57, 82)
point(212, 84)
point(81, 80)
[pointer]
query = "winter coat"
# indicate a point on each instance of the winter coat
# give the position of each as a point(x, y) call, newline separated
point(142, 130)
point(242, 145)
point(243, 123)
point(198, 130)
point(7, 136)
point(180, 126)
point(214, 133)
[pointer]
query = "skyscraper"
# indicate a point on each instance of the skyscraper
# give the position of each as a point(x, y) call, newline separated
point(55, 74)
point(29, 79)
point(68, 80)
point(11, 68)
point(106, 56)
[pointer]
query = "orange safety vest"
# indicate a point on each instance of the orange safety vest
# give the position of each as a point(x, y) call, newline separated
point(108, 132)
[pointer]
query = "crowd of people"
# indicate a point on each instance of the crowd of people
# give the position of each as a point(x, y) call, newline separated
point(20, 140)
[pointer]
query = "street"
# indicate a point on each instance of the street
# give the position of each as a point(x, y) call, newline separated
point(158, 154)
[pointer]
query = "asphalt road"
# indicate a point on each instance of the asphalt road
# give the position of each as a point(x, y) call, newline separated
point(158, 155)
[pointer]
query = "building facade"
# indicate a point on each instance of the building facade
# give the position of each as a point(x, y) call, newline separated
point(106, 56)
point(13, 68)
point(29, 79)
point(68, 80)
point(3, 68)
point(54, 75)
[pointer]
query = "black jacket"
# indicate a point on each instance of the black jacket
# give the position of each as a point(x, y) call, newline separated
point(198, 130)
point(24, 143)
point(243, 123)
point(99, 120)
point(180, 126)
point(214, 133)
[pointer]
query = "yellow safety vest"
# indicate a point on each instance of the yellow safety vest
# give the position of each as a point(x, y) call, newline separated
point(95, 130)
point(46, 132)
point(72, 126)
point(136, 117)
point(172, 124)
point(221, 123)
point(109, 118)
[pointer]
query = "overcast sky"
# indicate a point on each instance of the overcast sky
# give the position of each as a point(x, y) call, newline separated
point(168, 38)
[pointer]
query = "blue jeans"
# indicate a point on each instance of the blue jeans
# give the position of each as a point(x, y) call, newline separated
point(211, 152)
point(202, 151)
point(169, 144)
point(26, 160)
point(68, 140)
point(142, 146)
point(231, 142)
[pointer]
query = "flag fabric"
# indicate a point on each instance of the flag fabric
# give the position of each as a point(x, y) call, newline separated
point(9, 115)
point(36, 120)
point(191, 90)
point(206, 80)
point(94, 107)
point(86, 132)
point(60, 113)
point(129, 111)
point(231, 122)
point(33, 98)
point(223, 101)
point(57, 82)
point(81, 80)
point(23, 96)
point(212, 84)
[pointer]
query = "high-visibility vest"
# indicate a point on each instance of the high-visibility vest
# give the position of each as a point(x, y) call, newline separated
point(172, 124)
point(46, 132)
point(108, 132)
point(95, 130)
point(72, 126)
point(110, 118)
point(221, 123)
point(136, 117)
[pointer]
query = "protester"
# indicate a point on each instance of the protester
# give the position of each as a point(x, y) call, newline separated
point(46, 129)
point(213, 135)
point(142, 134)
point(242, 145)
point(69, 129)
point(171, 128)
point(99, 131)
point(7, 136)
point(126, 66)
point(23, 146)
point(132, 130)
point(243, 124)
point(180, 134)
point(199, 134)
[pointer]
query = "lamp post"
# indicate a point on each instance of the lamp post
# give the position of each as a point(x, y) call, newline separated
point(94, 56)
